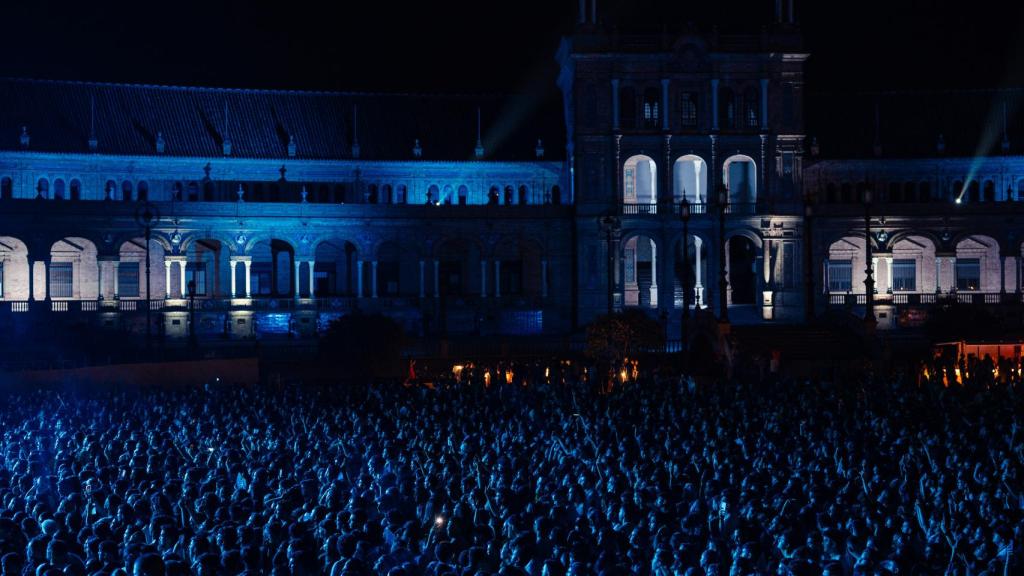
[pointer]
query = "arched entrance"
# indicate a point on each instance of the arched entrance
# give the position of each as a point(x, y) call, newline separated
point(742, 254)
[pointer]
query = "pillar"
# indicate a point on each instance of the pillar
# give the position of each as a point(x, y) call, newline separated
point(615, 103)
point(714, 103)
point(423, 280)
point(117, 292)
point(373, 280)
point(654, 275)
point(764, 104)
point(543, 278)
point(497, 278)
point(437, 277)
point(248, 278)
point(698, 274)
point(167, 279)
point(874, 270)
point(298, 275)
point(938, 274)
point(767, 271)
point(181, 264)
point(664, 106)
point(359, 278)
point(233, 266)
point(312, 289)
point(483, 278)
point(31, 281)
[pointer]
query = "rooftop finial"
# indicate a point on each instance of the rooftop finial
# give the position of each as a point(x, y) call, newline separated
point(940, 145)
point(417, 150)
point(355, 131)
point(24, 138)
point(227, 131)
point(160, 144)
point(539, 150)
point(291, 145)
point(479, 144)
point(93, 142)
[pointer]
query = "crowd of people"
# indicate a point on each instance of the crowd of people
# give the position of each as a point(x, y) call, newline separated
point(528, 475)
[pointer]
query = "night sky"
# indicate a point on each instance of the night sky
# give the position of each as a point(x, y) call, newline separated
point(491, 47)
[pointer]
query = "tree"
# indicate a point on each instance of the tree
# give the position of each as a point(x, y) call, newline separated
point(362, 346)
point(614, 339)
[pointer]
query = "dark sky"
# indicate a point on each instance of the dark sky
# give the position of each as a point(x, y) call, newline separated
point(492, 46)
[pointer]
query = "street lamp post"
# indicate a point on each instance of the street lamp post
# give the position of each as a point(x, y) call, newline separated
point(193, 337)
point(610, 224)
point(809, 259)
point(147, 215)
point(684, 215)
point(723, 283)
point(869, 281)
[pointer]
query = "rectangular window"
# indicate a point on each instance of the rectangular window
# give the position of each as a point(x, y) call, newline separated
point(61, 279)
point(840, 275)
point(788, 266)
point(904, 275)
point(128, 279)
point(196, 272)
point(689, 109)
point(968, 274)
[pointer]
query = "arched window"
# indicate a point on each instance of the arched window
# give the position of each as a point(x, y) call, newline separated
point(463, 195)
point(110, 190)
point(690, 176)
point(76, 189)
point(973, 194)
point(209, 191)
point(402, 196)
point(957, 191)
point(493, 196)
point(651, 108)
point(176, 190)
point(386, 194)
point(446, 195)
point(193, 192)
point(372, 194)
point(126, 191)
point(750, 107)
point(143, 190)
point(688, 109)
point(58, 189)
point(524, 192)
point(640, 181)
point(6, 188)
point(727, 108)
point(924, 192)
point(509, 194)
point(433, 194)
point(43, 188)
point(741, 181)
point(910, 192)
point(895, 193)
point(990, 191)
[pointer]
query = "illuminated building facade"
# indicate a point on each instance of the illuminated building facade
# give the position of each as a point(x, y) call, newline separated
point(280, 210)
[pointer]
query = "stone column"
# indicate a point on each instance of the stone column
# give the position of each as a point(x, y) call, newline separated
point(664, 104)
point(888, 273)
point(483, 278)
point(233, 266)
point(497, 278)
point(698, 274)
point(714, 103)
point(615, 103)
point(248, 278)
point(167, 279)
point(543, 278)
point(373, 280)
point(654, 275)
point(938, 274)
point(298, 276)
point(181, 265)
point(46, 280)
point(423, 279)
point(764, 104)
point(359, 278)
point(116, 265)
point(312, 279)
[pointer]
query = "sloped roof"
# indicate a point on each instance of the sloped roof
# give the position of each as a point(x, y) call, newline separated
point(909, 122)
point(128, 117)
